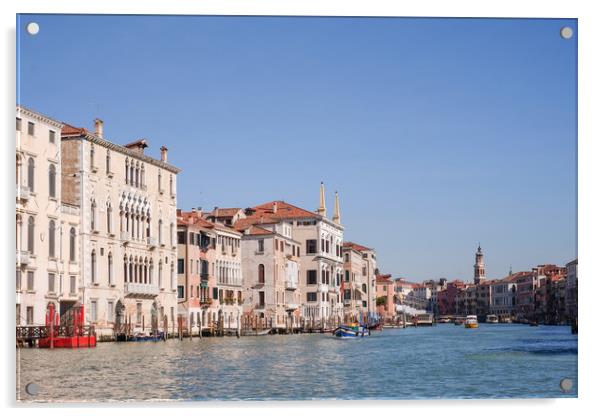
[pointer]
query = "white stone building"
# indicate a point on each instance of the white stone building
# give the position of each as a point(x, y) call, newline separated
point(47, 230)
point(127, 210)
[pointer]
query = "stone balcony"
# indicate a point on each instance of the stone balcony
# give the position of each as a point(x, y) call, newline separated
point(323, 288)
point(291, 307)
point(23, 193)
point(290, 285)
point(125, 237)
point(151, 242)
point(141, 289)
point(23, 257)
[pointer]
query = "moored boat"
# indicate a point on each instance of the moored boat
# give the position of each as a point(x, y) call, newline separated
point(471, 322)
point(251, 332)
point(492, 319)
point(350, 331)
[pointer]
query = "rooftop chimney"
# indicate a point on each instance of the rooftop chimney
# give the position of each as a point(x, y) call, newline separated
point(98, 124)
point(275, 207)
point(137, 146)
point(163, 154)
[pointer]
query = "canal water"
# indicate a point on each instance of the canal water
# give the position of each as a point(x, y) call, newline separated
point(444, 361)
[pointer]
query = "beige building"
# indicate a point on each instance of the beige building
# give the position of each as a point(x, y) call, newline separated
point(47, 229)
point(226, 306)
point(127, 209)
point(359, 283)
point(270, 262)
point(320, 259)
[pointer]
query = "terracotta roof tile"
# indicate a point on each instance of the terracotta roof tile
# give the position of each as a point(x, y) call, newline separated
point(284, 210)
point(355, 246)
point(69, 130)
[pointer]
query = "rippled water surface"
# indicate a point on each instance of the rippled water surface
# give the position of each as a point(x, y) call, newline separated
point(444, 361)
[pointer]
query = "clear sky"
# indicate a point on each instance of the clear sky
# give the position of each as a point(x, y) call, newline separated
point(437, 133)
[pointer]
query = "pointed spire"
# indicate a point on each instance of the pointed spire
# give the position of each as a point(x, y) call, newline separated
point(336, 217)
point(322, 208)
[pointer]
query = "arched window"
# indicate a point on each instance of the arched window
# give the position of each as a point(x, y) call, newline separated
point(137, 177)
point(93, 215)
point(72, 244)
point(125, 269)
point(18, 170)
point(160, 231)
point(159, 182)
point(30, 174)
point(142, 177)
point(108, 161)
point(173, 276)
point(93, 266)
point(160, 274)
point(30, 234)
point(127, 171)
point(171, 234)
point(261, 273)
point(171, 191)
point(51, 239)
point(110, 271)
point(52, 181)
point(109, 218)
point(92, 166)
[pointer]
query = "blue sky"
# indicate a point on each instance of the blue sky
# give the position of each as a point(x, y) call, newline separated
point(437, 133)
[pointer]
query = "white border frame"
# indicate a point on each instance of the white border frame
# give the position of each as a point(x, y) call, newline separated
point(590, 136)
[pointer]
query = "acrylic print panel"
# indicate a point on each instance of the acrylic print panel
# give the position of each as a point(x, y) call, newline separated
point(294, 208)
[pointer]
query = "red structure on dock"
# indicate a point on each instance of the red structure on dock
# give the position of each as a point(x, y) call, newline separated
point(67, 331)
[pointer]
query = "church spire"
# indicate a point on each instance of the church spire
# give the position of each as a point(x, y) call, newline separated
point(322, 208)
point(336, 217)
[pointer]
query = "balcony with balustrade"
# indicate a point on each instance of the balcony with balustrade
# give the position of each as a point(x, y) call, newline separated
point(23, 257)
point(143, 290)
point(23, 193)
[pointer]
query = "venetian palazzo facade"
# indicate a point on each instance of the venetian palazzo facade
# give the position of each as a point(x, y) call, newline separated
point(226, 308)
point(320, 258)
point(270, 262)
point(47, 229)
point(196, 262)
point(127, 211)
point(359, 282)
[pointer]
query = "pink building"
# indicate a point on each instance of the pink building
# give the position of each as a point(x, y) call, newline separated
point(385, 296)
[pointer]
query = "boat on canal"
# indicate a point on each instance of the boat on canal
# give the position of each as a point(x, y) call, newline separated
point(471, 322)
point(350, 331)
point(492, 319)
point(251, 332)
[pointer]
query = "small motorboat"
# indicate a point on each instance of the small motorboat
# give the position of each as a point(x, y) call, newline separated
point(492, 319)
point(259, 332)
point(141, 336)
point(459, 321)
point(471, 322)
point(350, 331)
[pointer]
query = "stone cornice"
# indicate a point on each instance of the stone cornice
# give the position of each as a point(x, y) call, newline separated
point(118, 148)
point(39, 117)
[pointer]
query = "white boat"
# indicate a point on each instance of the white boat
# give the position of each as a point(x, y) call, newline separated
point(471, 322)
point(492, 319)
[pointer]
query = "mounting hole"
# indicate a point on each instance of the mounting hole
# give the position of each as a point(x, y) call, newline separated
point(32, 389)
point(33, 28)
point(566, 385)
point(566, 32)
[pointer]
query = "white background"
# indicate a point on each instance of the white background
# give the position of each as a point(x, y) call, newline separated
point(590, 188)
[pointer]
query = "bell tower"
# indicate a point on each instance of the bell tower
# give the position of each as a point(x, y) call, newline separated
point(479, 266)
